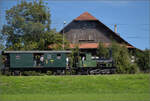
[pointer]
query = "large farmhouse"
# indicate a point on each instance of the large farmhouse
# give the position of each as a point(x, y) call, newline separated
point(87, 31)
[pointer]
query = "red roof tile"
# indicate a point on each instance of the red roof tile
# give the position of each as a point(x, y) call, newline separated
point(85, 16)
point(85, 45)
point(88, 45)
point(92, 45)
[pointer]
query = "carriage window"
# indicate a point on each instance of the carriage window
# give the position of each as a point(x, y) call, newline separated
point(58, 56)
point(49, 56)
point(17, 56)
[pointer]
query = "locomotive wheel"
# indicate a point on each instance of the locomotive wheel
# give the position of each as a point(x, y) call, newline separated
point(87, 72)
point(91, 72)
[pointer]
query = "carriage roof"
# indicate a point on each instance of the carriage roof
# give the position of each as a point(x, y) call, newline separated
point(36, 52)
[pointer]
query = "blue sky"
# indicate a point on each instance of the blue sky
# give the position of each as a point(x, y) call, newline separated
point(131, 16)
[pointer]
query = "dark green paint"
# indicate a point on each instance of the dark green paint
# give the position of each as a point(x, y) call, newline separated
point(21, 60)
point(55, 61)
point(26, 60)
point(88, 62)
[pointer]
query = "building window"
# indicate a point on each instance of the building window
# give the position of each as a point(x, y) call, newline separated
point(89, 41)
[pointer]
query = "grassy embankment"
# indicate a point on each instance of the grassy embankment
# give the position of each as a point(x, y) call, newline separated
point(76, 88)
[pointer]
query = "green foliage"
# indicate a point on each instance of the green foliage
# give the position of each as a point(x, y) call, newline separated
point(49, 73)
point(0, 73)
point(32, 73)
point(102, 51)
point(28, 27)
point(7, 73)
point(1, 42)
point(68, 73)
point(75, 57)
point(134, 68)
point(0, 61)
point(122, 59)
point(25, 23)
point(143, 60)
point(57, 42)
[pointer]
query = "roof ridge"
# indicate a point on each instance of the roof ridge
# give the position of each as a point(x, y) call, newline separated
point(86, 16)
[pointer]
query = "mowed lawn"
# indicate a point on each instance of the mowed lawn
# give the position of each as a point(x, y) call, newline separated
point(75, 88)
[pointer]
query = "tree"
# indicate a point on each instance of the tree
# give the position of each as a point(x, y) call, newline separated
point(102, 51)
point(143, 60)
point(27, 23)
point(1, 48)
point(75, 57)
point(122, 59)
point(1, 42)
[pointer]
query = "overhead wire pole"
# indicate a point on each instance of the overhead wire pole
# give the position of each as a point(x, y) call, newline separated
point(63, 33)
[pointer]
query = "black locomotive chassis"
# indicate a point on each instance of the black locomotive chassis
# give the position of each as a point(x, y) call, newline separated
point(63, 71)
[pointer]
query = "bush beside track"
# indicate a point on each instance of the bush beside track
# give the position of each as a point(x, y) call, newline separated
point(74, 88)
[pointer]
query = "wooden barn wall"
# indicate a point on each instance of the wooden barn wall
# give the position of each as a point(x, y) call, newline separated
point(88, 31)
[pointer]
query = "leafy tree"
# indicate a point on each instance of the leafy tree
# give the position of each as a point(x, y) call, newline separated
point(28, 27)
point(143, 60)
point(122, 59)
point(75, 57)
point(1, 46)
point(102, 51)
point(1, 42)
point(55, 41)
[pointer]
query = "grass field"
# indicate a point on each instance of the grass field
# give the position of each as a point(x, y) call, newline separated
point(76, 88)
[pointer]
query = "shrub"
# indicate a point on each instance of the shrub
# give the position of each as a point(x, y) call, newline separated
point(133, 69)
point(31, 73)
point(143, 60)
point(7, 73)
point(49, 73)
point(0, 73)
point(102, 51)
point(122, 59)
point(68, 73)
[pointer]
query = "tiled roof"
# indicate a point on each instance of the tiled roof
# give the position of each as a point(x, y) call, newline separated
point(88, 45)
point(85, 16)
point(92, 45)
point(85, 45)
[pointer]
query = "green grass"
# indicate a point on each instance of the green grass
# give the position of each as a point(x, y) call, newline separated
point(76, 88)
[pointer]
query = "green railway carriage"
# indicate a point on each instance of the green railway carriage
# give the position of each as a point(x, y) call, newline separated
point(31, 59)
point(58, 62)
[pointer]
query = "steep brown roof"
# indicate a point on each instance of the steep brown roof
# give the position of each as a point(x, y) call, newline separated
point(85, 16)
